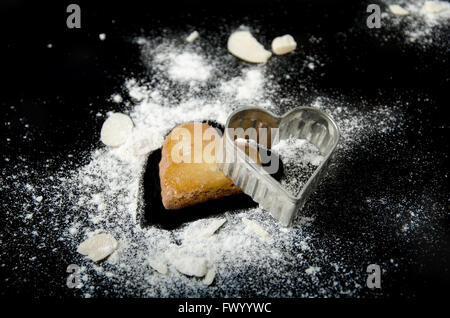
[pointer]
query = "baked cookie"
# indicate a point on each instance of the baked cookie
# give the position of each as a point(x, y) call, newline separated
point(188, 170)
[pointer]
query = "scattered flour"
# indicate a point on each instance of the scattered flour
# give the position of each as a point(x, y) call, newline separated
point(312, 270)
point(184, 67)
point(300, 159)
point(419, 20)
point(246, 87)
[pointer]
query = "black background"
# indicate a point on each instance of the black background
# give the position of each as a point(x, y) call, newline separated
point(57, 91)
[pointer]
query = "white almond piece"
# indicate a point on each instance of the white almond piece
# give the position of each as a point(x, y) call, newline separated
point(283, 44)
point(192, 37)
point(436, 6)
point(116, 130)
point(209, 277)
point(212, 228)
point(158, 266)
point(243, 45)
point(397, 10)
point(190, 265)
point(98, 247)
point(202, 230)
point(255, 227)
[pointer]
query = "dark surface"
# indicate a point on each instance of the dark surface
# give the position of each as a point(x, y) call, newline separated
point(58, 91)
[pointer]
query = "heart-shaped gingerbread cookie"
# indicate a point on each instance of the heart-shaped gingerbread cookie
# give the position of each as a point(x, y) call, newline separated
point(188, 170)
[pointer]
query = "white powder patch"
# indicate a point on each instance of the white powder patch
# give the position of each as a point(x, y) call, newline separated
point(246, 87)
point(312, 270)
point(300, 159)
point(185, 66)
point(421, 24)
point(304, 220)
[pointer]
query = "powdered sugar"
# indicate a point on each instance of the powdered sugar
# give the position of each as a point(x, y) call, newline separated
point(420, 25)
point(183, 67)
point(300, 158)
point(246, 87)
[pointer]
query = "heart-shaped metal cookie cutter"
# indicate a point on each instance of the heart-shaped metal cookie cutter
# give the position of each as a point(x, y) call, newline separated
point(303, 123)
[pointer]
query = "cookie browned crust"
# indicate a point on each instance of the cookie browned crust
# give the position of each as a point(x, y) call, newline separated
point(185, 184)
